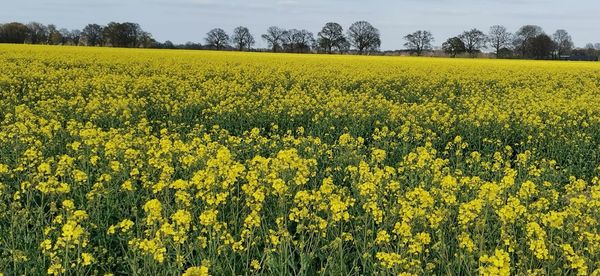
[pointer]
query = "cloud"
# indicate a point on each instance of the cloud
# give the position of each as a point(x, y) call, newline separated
point(203, 2)
point(287, 3)
point(183, 20)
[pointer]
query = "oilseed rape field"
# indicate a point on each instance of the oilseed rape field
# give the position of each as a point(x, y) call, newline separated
point(165, 162)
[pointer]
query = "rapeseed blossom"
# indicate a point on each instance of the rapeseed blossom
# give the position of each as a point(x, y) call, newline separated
point(130, 161)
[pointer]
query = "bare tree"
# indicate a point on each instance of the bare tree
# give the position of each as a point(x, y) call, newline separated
point(298, 41)
point(523, 37)
point(217, 38)
point(274, 37)
point(304, 40)
point(191, 46)
point(167, 45)
point(242, 38)
point(126, 34)
point(69, 37)
point(590, 49)
point(344, 46)
point(76, 36)
point(54, 36)
point(38, 33)
point(331, 37)
point(474, 40)
point(145, 40)
point(563, 42)
point(92, 35)
point(454, 46)
point(419, 41)
point(499, 38)
point(541, 46)
point(364, 37)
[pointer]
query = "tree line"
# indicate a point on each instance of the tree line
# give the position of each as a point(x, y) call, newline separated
point(361, 37)
point(113, 34)
point(529, 41)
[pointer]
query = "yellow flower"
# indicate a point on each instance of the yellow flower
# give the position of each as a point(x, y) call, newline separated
point(182, 217)
point(46, 245)
point(554, 219)
point(75, 145)
point(180, 184)
point(382, 237)
point(511, 211)
point(419, 241)
point(469, 211)
point(209, 217)
point(127, 186)
point(497, 264)
point(68, 204)
point(79, 176)
point(87, 259)
point(44, 168)
point(196, 271)
point(378, 155)
point(115, 166)
point(3, 169)
point(72, 232)
point(389, 260)
point(537, 237)
point(465, 242)
point(577, 262)
point(153, 209)
point(527, 190)
point(125, 225)
point(56, 269)
point(422, 164)
point(152, 247)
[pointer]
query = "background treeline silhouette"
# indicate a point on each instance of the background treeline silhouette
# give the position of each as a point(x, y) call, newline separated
point(529, 41)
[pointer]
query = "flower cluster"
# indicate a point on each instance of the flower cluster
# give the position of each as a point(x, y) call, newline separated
point(123, 161)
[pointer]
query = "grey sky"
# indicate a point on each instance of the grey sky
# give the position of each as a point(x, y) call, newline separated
point(189, 20)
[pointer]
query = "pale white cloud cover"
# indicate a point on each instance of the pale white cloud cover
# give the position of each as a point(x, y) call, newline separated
point(188, 20)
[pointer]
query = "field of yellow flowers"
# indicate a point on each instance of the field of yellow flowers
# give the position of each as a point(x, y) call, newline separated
point(163, 162)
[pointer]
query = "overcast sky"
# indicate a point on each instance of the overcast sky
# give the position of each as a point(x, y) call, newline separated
point(189, 20)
